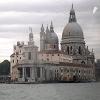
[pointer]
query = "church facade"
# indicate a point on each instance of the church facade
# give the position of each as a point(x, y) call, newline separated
point(50, 64)
point(24, 61)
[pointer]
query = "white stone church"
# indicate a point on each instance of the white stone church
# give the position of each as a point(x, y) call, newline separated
point(73, 61)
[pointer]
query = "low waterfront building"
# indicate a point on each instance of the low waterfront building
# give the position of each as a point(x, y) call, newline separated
point(5, 78)
point(73, 61)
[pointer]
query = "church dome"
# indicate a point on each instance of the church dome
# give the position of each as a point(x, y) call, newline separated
point(51, 36)
point(72, 29)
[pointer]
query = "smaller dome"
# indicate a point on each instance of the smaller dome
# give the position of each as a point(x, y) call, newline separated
point(51, 38)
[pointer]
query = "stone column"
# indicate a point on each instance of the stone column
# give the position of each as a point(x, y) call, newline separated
point(23, 74)
point(41, 76)
point(32, 70)
point(43, 73)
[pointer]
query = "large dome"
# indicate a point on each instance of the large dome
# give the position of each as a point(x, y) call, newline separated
point(73, 30)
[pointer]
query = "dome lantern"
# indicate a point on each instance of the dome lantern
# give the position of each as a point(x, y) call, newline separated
point(51, 27)
point(42, 28)
point(72, 30)
point(72, 17)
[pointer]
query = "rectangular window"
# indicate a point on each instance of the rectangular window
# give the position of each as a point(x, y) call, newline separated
point(29, 55)
point(20, 72)
point(38, 72)
point(27, 72)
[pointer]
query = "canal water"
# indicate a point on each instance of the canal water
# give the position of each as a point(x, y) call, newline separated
point(59, 91)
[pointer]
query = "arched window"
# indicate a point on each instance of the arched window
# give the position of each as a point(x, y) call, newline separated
point(68, 49)
point(13, 61)
point(79, 50)
point(69, 33)
point(17, 61)
point(29, 55)
point(47, 59)
point(82, 62)
point(54, 46)
point(71, 49)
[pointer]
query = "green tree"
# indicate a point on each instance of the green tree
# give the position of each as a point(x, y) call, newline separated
point(5, 67)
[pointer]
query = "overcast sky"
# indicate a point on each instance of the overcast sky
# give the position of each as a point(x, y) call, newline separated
point(17, 15)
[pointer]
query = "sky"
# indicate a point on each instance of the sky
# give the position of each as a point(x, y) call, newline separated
point(16, 16)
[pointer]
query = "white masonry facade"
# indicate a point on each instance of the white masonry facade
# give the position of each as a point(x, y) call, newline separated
point(24, 61)
point(73, 62)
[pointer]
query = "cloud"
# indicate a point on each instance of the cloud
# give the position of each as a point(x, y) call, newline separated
point(94, 10)
point(17, 15)
point(45, 5)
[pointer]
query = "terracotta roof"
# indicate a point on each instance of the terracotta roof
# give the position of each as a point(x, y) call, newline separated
point(66, 64)
point(51, 52)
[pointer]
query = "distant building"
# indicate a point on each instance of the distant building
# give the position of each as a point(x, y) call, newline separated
point(98, 70)
point(5, 78)
point(73, 61)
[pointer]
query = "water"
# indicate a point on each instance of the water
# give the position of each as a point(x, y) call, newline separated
point(65, 91)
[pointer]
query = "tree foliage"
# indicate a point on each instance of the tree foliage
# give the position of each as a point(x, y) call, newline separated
point(5, 67)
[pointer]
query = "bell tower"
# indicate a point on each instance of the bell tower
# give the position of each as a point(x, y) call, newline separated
point(42, 38)
point(51, 27)
point(31, 40)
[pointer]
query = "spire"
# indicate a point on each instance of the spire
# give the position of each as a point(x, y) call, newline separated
point(30, 29)
point(51, 27)
point(72, 17)
point(47, 29)
point(42, 28)
point(72, 5)
point(51, 24)
point(92, 50)
point(30, 34)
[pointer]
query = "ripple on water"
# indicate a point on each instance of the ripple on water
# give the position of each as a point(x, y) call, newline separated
point(66, 91)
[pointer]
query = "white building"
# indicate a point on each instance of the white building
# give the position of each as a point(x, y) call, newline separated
point(73, 61)
point(24, 61)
